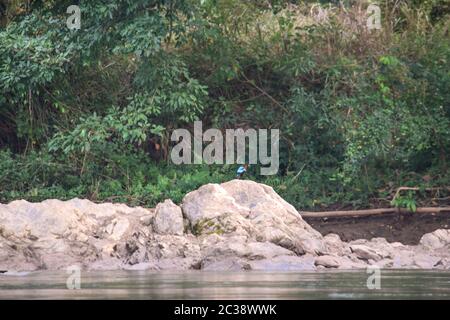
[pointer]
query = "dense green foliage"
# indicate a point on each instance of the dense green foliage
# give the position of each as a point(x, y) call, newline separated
point(89, 112)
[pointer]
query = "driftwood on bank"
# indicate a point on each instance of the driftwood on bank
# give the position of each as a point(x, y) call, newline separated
point(370, 212)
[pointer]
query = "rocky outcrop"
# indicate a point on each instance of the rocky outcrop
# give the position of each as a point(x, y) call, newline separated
point(237, 225)
point(253, 211)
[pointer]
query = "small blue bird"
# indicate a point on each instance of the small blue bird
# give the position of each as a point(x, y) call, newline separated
point(241, 170)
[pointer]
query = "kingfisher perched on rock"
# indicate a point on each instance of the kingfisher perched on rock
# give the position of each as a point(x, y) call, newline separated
point(241, 170)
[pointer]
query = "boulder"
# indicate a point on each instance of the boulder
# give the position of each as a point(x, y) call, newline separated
point(284, 263)
point(436, 240)
point(251, 209)
point(426, 261)
point(334, 245)
point(209, 201)
point(168, 219)
point(364, 252)
point(327, 261)
point(225, 264)
point(444, 263)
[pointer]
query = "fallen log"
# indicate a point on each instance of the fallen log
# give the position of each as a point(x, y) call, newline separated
point(370, 212)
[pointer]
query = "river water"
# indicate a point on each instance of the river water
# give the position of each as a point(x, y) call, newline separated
point(395, 284)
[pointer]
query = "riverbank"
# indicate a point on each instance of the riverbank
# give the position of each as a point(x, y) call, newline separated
point(407, 228)
point(237, 225)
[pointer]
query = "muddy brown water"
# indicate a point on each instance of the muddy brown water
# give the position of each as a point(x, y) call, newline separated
point(406, 228)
